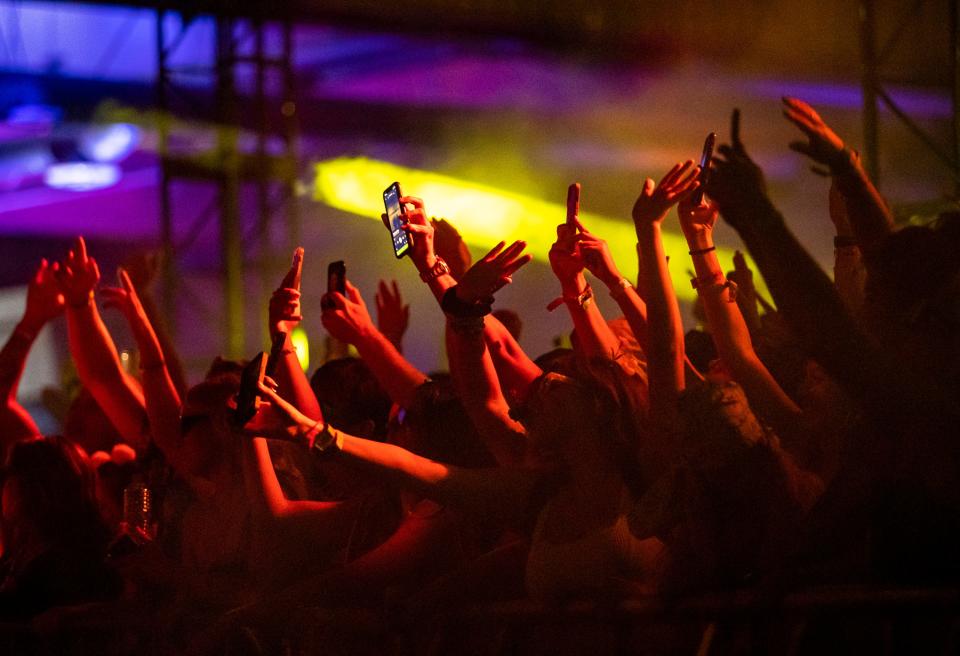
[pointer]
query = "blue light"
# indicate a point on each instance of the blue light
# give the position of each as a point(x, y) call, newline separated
point(108, 143)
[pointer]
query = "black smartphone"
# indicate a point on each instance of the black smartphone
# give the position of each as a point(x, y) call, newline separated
point(705, 158)
point(276, 349)
point(396, 220)
point(337, 277)
point(248, 398)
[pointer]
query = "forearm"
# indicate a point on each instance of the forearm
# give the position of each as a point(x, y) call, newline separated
point(13, 358)
point(665, 353)
point(514, 368)
point(849, 277)
point(479, 388)
point(395, 373)
point(292, 382)
point(100, 371)
point(634, 311)
point(809, 302)
point(594, 337)
point(170, 354)
point(870, 218)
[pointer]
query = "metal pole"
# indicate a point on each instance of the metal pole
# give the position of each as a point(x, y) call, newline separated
point(227, 138)
point(870, 81)
point(955, 63)
point(168, 271)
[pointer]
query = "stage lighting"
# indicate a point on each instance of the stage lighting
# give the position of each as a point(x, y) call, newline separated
point(108, 143)
point(81, 176)
point(484, 215)
point(302, 346)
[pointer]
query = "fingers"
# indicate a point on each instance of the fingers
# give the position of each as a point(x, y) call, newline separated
point(294, 274)
point(396, 291)
point(416, 228)
point(417, 203)
point(80, 248)
point(124, 279)
point(270, 382)
point(739, 262)
point(352, 292)
point(517, 264)
point(94, 268)
point(798, 106)
point(673, 173)
point(735, 130)
point(511, 252)
point(492, 254)
point(573, 205)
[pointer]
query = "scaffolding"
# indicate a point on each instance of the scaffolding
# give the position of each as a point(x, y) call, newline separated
point(873, 59)
point(252, 113)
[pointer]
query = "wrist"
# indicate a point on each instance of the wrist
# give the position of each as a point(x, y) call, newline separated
point(698, 240)
point(574, 286)
point(80, 303)
point(611, 279)
point(425, 264)
point(647, 230)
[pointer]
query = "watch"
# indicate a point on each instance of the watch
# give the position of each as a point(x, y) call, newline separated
point(439, 268)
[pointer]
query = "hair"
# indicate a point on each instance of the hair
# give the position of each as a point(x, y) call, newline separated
point(349, 394)
point(442, 429)
point(614, 410)
point(56, 492)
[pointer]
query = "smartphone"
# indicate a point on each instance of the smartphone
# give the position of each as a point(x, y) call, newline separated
point(337, 277)
point(248, 398)
point(396, 220)
point(276, 349)
point(705, 158)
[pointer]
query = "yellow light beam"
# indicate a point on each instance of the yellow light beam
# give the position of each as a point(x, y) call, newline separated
point(484, 215)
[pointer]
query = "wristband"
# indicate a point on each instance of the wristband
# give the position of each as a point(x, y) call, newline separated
point(700, 283)
point(472, 326)
point(453, 306)
point(439, 268)
point(325, 439)
point(618, 289)
point(844, 241)
point(703, 251)
point(581, 300)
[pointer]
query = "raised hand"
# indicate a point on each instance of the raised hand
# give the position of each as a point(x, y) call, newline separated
point(421, 233)
point(142, 268)
point(822, 145)
point(491, 272)
point(44, 298)
point(656, 200)
point(125, 299)
point(284, 309)
point(596, 255)
point(346, 317)
point(565, 258)
point(393, 316)
point(77, 275)
point(736, 183)
point(449, 245)
point(278, 419)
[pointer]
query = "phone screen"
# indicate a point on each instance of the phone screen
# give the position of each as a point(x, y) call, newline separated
point(337, 277)
point(391, 200)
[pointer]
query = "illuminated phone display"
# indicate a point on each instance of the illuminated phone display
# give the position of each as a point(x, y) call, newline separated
point(395, 219)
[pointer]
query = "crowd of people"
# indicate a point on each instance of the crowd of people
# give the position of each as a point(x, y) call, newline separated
point(801, 440)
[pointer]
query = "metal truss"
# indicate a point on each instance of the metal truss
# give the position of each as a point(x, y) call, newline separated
point(873, 59)
point(267, 113)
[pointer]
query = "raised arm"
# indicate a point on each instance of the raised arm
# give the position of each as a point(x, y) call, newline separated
point(849, 274)
point(44, 302)
point(512, 365)
point(870, 217)
point(162, 399)
point(500, 493)
point(594, 337)
point(801, 290)
point(284, 317)
point(393, 315)
point(730, 332)
point(94, 353)
point(470, 363)
point(665, 350)
point(347, 319)
point(142, 269)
